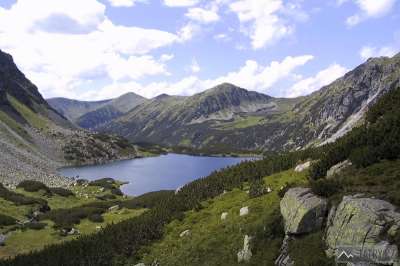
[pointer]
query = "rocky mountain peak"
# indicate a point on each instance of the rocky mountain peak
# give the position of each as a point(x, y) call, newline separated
point(14, 83)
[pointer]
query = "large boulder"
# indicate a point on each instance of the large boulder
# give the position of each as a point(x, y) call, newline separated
point(361, 227)
point(336, 169)
point(302, 211)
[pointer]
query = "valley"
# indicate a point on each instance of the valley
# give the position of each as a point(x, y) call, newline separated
point(334, 148)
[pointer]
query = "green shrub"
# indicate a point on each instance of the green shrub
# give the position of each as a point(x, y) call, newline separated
point(117, 192)
point(107, 197)
point(35, 226)
point(64, 218)
point(6, 220)
point(107, 183)
point(148, 200)
point(19, 199)
point(33, 186)
point(96, 218)
point(364, 156)
point(257, 188)
point(325, 187)
point(62, 192)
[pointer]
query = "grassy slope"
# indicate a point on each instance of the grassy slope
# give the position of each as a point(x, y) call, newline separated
point(216, 242)
point(23, 241)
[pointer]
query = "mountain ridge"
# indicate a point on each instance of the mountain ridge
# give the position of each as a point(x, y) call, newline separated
point(228, 117)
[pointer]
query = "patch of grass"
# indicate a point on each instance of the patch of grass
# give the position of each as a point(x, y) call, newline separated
point(216, 242)
point(148, 200)
point(34, 119)
point(6, 220)
point(242, 122)
point(309, 251)
point(14, 125)
point(381, 180)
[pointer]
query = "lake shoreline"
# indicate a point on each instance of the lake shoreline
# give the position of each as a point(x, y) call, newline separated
point(162, 172)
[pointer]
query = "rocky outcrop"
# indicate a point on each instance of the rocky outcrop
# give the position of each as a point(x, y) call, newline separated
point(338, 168)
point(284, 258)
point(245, 254)
point(302, 167)
point(362, 227)
point(302, 211)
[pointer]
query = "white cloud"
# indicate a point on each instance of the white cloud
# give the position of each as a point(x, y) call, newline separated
point(188, 31)
point(180, 3)
point(194, 67)
point(125, 3)
point(251, 76)
point(368, 52)
point(266, 21)
point(69, 44)
point(203, 15)
point(222, 37)
point(369, 9)
point(311, 84)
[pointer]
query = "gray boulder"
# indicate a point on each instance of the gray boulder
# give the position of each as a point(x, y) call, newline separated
point(302, 211)
point(302, 167)
point(338, 168)
point(361, 227)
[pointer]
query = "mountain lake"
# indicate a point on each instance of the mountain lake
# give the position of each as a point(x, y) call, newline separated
point(165, 172)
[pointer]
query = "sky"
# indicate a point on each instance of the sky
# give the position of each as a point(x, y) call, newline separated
point(100, 49)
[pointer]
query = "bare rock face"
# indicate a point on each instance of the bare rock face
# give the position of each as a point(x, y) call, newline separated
point(361, 227)
point(302, 211)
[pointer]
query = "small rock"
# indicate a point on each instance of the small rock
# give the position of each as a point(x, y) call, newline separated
point(2, 239)
point(98, 227)
point(245, 254)
point(302, 167)
point(113, 208)
point(185, 233)
point(140, 264)
point(224, 215)
point(244, 211)
point(178, 189)
point(269, 190)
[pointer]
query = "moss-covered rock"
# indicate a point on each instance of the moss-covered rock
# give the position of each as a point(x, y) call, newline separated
point(303, 211)
point(363, 227)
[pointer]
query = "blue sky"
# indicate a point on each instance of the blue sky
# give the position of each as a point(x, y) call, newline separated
point(95, 49)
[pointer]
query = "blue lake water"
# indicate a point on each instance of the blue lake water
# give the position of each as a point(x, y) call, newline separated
point(154, 173)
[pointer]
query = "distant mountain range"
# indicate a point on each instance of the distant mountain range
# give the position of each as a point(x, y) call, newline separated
point(229, 118)
point(91, 115)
